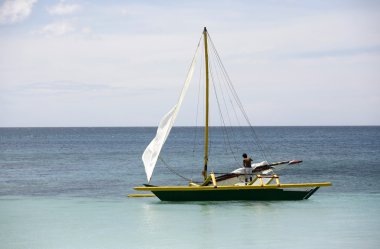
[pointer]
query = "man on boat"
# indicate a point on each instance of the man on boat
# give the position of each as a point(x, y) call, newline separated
point(247, 161)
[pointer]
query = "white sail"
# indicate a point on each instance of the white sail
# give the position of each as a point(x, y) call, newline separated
point(152, 152)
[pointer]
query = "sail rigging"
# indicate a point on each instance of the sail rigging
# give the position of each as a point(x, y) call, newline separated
point(216, 77)
point(153, 150)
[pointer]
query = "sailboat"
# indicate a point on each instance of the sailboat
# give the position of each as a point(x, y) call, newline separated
point(263, 183)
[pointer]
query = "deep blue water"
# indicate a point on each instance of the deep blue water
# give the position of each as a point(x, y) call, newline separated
point(66, 188)
point(91, 162)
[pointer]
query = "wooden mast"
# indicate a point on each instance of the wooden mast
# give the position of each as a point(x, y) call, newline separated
point(204, 172)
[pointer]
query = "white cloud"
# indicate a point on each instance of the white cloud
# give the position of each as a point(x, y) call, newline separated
point(16, 10)
point(326, 60)
point(86, 30)
point(57, 28)
point(124, 12)
point(63, 8)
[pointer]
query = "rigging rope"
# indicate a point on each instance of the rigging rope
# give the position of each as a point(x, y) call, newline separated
point(224, 84)
point(224, 129)
point(238, 102)
point(173, 170)
point(234, 136)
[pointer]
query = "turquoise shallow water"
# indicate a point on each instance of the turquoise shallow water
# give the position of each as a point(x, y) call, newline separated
point(326, 221)
point(66, 188)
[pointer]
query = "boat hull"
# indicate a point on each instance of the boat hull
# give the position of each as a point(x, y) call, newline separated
point(239, 194)
point(272, 192)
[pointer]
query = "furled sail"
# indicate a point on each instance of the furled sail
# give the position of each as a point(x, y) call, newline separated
point(152, 152)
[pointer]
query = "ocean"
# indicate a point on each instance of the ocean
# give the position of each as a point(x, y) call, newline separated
point(67, 188)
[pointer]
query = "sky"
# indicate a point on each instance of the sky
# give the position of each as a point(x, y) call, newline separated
point(123, 63)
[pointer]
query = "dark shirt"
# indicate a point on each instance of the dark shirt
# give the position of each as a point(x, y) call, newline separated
point(247, 162)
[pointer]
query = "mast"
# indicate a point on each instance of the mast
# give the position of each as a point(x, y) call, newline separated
point(204, 172)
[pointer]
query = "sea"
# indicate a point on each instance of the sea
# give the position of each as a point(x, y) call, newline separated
point(64, 188)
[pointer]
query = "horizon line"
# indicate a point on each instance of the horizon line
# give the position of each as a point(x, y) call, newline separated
point(186, 126)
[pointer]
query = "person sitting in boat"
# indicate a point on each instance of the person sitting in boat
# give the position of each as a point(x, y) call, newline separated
point(247, 161)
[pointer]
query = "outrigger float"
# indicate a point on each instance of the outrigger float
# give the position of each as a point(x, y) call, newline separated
point(264, 184)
